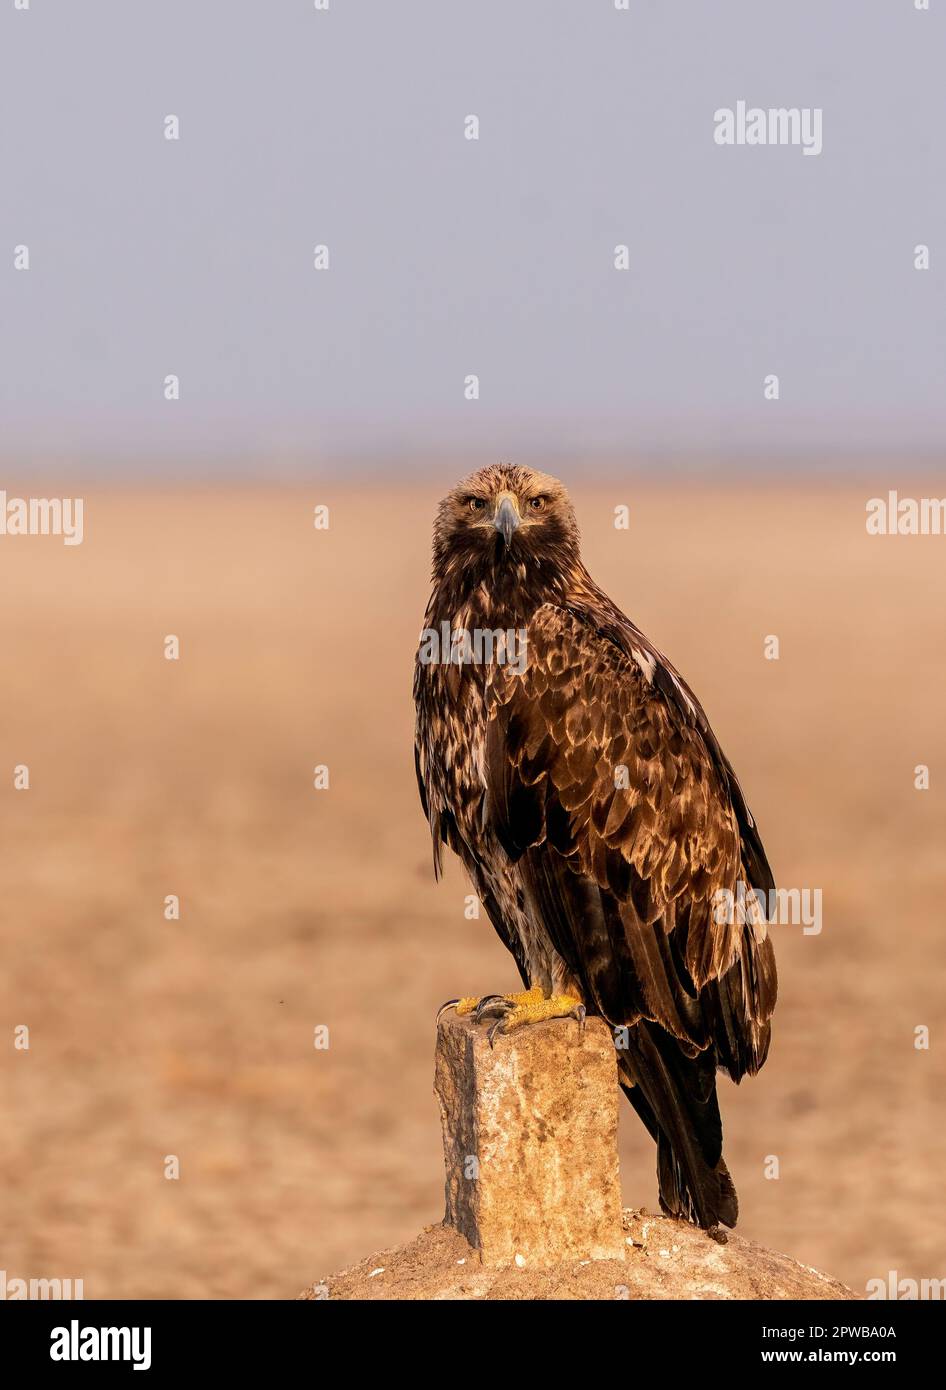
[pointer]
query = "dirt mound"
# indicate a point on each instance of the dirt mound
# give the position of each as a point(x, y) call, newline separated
point(665, 1259)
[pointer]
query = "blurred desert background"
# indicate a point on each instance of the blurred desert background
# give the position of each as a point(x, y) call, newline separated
point(300, 907)
point(265, 257)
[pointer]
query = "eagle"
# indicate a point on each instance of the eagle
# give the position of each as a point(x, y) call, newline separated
point(574, 773)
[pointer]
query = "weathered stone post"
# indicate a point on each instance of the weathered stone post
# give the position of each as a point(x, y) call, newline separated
point(533, 1201)
point(530, 1140)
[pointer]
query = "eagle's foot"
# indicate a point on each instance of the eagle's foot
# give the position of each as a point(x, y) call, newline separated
point(513, 1010)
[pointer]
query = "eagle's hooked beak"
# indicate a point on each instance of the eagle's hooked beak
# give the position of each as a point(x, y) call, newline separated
point(507, 519)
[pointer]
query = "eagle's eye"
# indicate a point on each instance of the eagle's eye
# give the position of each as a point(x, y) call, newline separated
point(476, 504)
point(537, 504)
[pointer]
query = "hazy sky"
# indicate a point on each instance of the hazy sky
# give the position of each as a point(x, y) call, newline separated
point(451, 257)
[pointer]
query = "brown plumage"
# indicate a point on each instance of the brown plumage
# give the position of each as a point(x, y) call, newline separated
point(579, 782)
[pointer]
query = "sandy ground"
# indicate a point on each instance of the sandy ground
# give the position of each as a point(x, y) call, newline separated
point(300, 908)
point(663, 1259)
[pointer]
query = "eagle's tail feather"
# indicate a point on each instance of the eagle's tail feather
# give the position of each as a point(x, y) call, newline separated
point(675, 1096)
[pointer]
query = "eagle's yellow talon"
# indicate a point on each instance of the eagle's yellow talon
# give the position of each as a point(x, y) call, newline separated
point(527, 1006)
point(534, 1007)
point(492, 1002)
point(466, 1006)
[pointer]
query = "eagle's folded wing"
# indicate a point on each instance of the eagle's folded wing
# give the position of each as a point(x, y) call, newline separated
point(604, 782)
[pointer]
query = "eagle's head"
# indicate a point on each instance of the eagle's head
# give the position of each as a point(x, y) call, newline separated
point(505, 519)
